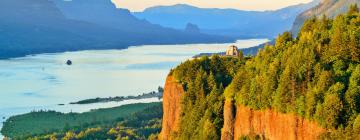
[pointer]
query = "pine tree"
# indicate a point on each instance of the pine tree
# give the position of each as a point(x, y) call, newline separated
point(352, 95)
point(353, 9)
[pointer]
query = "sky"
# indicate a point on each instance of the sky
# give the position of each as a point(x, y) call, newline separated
point(257, 5)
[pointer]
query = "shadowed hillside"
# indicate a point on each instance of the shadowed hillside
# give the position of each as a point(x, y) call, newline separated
point(229, 22)
point(39, 26)
point(300, 88)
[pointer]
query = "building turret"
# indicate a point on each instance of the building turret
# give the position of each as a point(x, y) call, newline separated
point(232, 51)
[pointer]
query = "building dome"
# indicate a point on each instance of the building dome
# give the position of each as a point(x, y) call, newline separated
point(232, 51)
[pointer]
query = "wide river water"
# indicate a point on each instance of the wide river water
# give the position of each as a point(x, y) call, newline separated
point(43, 81)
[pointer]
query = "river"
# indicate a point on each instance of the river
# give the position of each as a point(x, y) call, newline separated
point(43, 81)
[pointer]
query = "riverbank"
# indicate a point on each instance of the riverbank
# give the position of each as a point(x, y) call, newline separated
point(47, 122)
point(73, 108)
point(94, 73)
point(152, 94)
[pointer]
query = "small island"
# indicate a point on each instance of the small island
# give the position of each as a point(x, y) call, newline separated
point(69, 62)
point(153, 94)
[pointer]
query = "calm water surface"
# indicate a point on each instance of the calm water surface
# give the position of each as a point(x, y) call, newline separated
point(43, 81)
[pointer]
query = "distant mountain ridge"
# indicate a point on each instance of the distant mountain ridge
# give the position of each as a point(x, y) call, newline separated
point(25, 24)
point(230, 22)
point(102, 12)
point(48, 26)
point(330, 8)
point(105, 13)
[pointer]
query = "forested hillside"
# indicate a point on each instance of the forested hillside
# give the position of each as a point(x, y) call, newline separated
point(315, 76)
point(129, 122)
point(50, 26)
point(312, 81)
point(329, 8)
point(204, 81)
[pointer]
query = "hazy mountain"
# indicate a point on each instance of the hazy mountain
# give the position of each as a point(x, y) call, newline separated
point(38, 26)
point(229, 22)
point(330, 8)
point(105, 13)
point(32, 26)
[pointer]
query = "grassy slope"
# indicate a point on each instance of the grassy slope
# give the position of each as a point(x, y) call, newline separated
point(42, 122)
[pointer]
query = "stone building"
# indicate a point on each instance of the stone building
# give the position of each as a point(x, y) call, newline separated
point(232, 51)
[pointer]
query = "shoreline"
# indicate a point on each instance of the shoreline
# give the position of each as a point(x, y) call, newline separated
point(130, 46)
point(233, 40)
point(78, 108)
point(152, 94)
point(188, 50)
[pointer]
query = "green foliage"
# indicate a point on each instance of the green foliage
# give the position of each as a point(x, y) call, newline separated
point(316, 75)
point(328, 113)
point(353, 9)
point(204, 80)
point(352, 95)
point(144, 119)
point(252, 137)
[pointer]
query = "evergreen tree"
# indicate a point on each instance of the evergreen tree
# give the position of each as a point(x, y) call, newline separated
point(353, 9)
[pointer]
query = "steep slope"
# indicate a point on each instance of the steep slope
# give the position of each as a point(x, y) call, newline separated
point(229, 22)
point(202, 82)
point(105, 13)
point(38, 26)
point(243, 122)
point(330, 8)
point(300, 88)
point(273, 125)
point(314, 76)
point(171, 108)
point(227, 132)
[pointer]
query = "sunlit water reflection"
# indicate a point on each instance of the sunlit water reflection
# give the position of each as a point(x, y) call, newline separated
point(43, 81)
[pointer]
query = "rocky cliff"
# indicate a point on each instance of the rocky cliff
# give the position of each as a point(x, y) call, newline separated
point(242, 121)
point(239, 120)
point(227, 133)
point(171, 108)
point(272, 125)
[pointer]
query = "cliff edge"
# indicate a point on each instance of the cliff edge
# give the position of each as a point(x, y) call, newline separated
point(273, 125)
point(239, 120)
point(171, 108)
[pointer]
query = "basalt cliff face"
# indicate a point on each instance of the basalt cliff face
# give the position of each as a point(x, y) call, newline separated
point(242, 121)
point(239, 120)
point(171, 108)
point(227, 132)
point(272, 125)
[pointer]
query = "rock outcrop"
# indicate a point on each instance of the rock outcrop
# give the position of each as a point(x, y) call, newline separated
point(239, 120)
point(227, 133)
point(273, 125)
point(171, 108)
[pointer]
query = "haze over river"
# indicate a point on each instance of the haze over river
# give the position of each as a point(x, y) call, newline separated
point(43, 81)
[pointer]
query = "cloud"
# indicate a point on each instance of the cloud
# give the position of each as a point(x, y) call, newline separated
point(140, 5)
